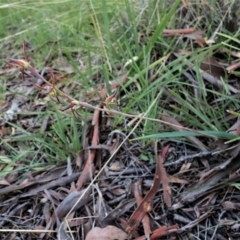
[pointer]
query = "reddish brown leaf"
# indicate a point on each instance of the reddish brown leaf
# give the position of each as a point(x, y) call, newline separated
point(143, 208)
point(89, 167)
point(164, 178)
point(137, 190)
point(163, 231)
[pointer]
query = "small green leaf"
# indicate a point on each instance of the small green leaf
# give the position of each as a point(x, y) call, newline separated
point(144, 157)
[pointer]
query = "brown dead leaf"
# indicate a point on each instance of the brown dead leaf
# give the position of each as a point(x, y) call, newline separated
point(47, 212)
point(235, 128)
point(185, 167)
point(116, 166)
point(173, 179)
point(118, 191)
point(164, 178)
point(227, 205)
point(107, 233)
point(215, 81)
point(141, 210)
point(163, 231)
point(197, 36)
point(67, 204)
point(3, 181)
point(137, 190)
point(230, 52)
point(212, 67)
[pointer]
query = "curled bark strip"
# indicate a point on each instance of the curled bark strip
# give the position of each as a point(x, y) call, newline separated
point(137, 190)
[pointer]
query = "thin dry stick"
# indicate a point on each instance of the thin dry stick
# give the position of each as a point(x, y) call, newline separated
point(178, 31)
